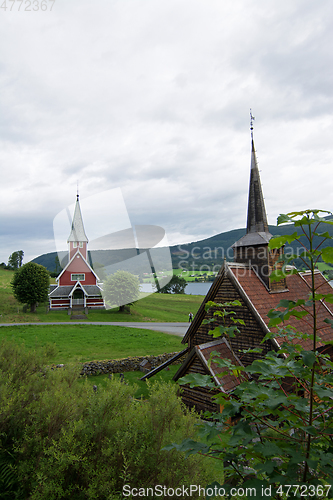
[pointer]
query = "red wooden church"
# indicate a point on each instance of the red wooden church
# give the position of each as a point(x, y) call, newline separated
point(247, 279)
point(77, 285)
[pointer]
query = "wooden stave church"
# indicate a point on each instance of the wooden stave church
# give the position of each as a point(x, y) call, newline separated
point(246, 280)
point(78, 286)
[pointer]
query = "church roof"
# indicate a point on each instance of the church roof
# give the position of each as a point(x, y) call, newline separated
point(257, 227)
point(298, 288)
point(78, 254)
point(251, 239)
point(226, 382)
point(256, 212)
point(65, 291)
point(77, 229)
point(259, 300)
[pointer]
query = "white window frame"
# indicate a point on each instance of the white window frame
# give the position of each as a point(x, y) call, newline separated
point(78, 274)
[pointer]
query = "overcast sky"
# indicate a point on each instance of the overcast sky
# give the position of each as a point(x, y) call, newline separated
point(152, 97)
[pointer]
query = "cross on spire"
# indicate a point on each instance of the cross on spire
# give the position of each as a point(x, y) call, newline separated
point(252, 118)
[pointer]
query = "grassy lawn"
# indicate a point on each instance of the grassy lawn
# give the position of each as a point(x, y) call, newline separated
point(133, 378)
point(155, 307)
point(191, 275)
point(93, 342)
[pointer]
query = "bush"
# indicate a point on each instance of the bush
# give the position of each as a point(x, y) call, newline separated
point(61, 440)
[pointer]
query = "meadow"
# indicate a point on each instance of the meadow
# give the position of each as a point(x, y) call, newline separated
point(133, 378)
point(156, 307)
point(82, 343)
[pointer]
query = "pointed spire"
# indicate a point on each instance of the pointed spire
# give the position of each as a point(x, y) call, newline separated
point(257, 232)
point(77, 229)
point(256, 212)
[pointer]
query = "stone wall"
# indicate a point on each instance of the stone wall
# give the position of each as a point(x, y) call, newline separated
point(130, 364)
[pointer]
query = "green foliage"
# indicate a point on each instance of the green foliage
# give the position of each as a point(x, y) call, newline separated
point(282, 429)
point(175, 285)
point(59, 439)
point(121, 288)
point(15, 259)
point(228, 328)
point(31, 284)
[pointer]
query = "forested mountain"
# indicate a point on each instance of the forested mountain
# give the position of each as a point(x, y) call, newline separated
point(204, 255)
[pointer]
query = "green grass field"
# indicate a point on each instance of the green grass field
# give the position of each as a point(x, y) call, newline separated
point(133, 378)
point(155, 307)
point(83, 343)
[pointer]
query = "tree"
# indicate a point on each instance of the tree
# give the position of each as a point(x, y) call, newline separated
point(31, 284)
point(175, 285)
point(15, 259)
point(282, 436)
point(120, 289)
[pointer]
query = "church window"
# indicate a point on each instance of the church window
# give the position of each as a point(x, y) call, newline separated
point(78, 277)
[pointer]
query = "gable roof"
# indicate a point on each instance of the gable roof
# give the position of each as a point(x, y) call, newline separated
point(78, 253)
point(298, 287)
point(77, 230)
point(260, 300)
point(226, 383)
point(66, 290)
point(60, 291)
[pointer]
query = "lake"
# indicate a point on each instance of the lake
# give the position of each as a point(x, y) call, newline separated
point(191, 289)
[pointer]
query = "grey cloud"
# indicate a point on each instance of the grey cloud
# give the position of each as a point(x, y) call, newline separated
point(156, 101)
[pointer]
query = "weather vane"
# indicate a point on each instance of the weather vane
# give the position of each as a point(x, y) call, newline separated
point(252, 118)
point(77, 190)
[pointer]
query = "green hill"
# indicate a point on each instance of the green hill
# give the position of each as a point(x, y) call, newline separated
point(204, 255)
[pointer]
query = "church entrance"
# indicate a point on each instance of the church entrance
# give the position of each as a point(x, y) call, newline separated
point(78, 297)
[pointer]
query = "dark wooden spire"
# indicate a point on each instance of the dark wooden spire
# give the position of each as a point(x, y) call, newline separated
point(256, 212)
point(252, 248)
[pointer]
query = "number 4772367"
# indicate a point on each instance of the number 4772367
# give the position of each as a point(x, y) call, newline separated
point(27, 5)
point(304, 490)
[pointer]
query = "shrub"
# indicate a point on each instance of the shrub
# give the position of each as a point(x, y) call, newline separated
point(61, 440)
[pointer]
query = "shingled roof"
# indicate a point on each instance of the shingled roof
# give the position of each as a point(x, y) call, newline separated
point(77, 229)
point(257, 226)
point(258, 300)
point(298, 287)
point(227, 382)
